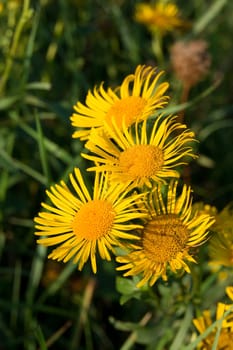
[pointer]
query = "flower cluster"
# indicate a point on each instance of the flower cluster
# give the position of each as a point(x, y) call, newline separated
point(137, 203)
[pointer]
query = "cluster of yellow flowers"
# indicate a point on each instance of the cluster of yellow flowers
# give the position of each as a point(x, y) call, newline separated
point(136, 153)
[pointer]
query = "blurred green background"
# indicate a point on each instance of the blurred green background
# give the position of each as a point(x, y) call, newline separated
point(64, 48)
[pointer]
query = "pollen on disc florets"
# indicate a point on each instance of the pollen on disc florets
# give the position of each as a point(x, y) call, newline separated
point(141, 161)
point(164, 237)
point(126, 110)
point(94, 219)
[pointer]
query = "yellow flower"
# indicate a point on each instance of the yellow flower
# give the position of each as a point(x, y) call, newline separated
point(14, 4)
point(224, 221)
point(159, 17)
point(221, 243)
point(139, 156)
point(202, 323)
point(137, 98)
point(205, 208)
point(167, 236)
point(81, 224)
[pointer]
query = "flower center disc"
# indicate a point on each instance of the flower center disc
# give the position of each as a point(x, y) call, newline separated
point(141, 161)
point(127, 109)
point(94, 220)
point(225, 339)
point(163, 238)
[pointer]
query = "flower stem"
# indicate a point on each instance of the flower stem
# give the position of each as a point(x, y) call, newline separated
point(157, 48)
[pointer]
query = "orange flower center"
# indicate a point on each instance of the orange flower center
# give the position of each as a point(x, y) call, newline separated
point(94, 220)
point(225, 341)
point(127, 110)
point(141, 161)
point(164, 237)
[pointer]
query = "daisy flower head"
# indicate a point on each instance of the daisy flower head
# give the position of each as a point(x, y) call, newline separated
point(140, 155)
point(135, 99)
point(202, 323)
point(160, 17)
point(80, 224)
point(167, 237)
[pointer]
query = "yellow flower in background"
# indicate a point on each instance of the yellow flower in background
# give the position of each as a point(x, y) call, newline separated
point(159, 17)
point(202, 323)
point(136, 99)
point(221, 244)
point(221, 250)
point(167, 237)
point(224, 221)
point(14, 4)
point(205, 208)
point(139, 156)
point(81, 224)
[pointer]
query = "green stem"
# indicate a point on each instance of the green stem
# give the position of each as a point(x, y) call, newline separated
point(82, 320)
point(130, 341)
point(157, 48)
point(42, 150)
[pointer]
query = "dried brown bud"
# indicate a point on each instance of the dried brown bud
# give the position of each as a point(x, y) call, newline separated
point(190, 61)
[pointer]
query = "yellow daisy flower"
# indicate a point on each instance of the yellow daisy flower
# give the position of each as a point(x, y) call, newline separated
point(137, 98)
point(159, 17)
point(81, 224)
point(167, 236)
point(221, 243)
point(139, 156)
point(202, 323)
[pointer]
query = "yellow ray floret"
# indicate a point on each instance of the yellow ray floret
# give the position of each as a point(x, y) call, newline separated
point(167, 236)
point(80, 224)
point(160, 17)
point(137, 98)
point(140, 155)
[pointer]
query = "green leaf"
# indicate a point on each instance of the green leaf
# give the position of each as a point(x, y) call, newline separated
point(208, 16)
point(208, 130)
point(7, 102)
point(39, 85)
point(125, 285)
point(128, 289)
point(124, 326)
